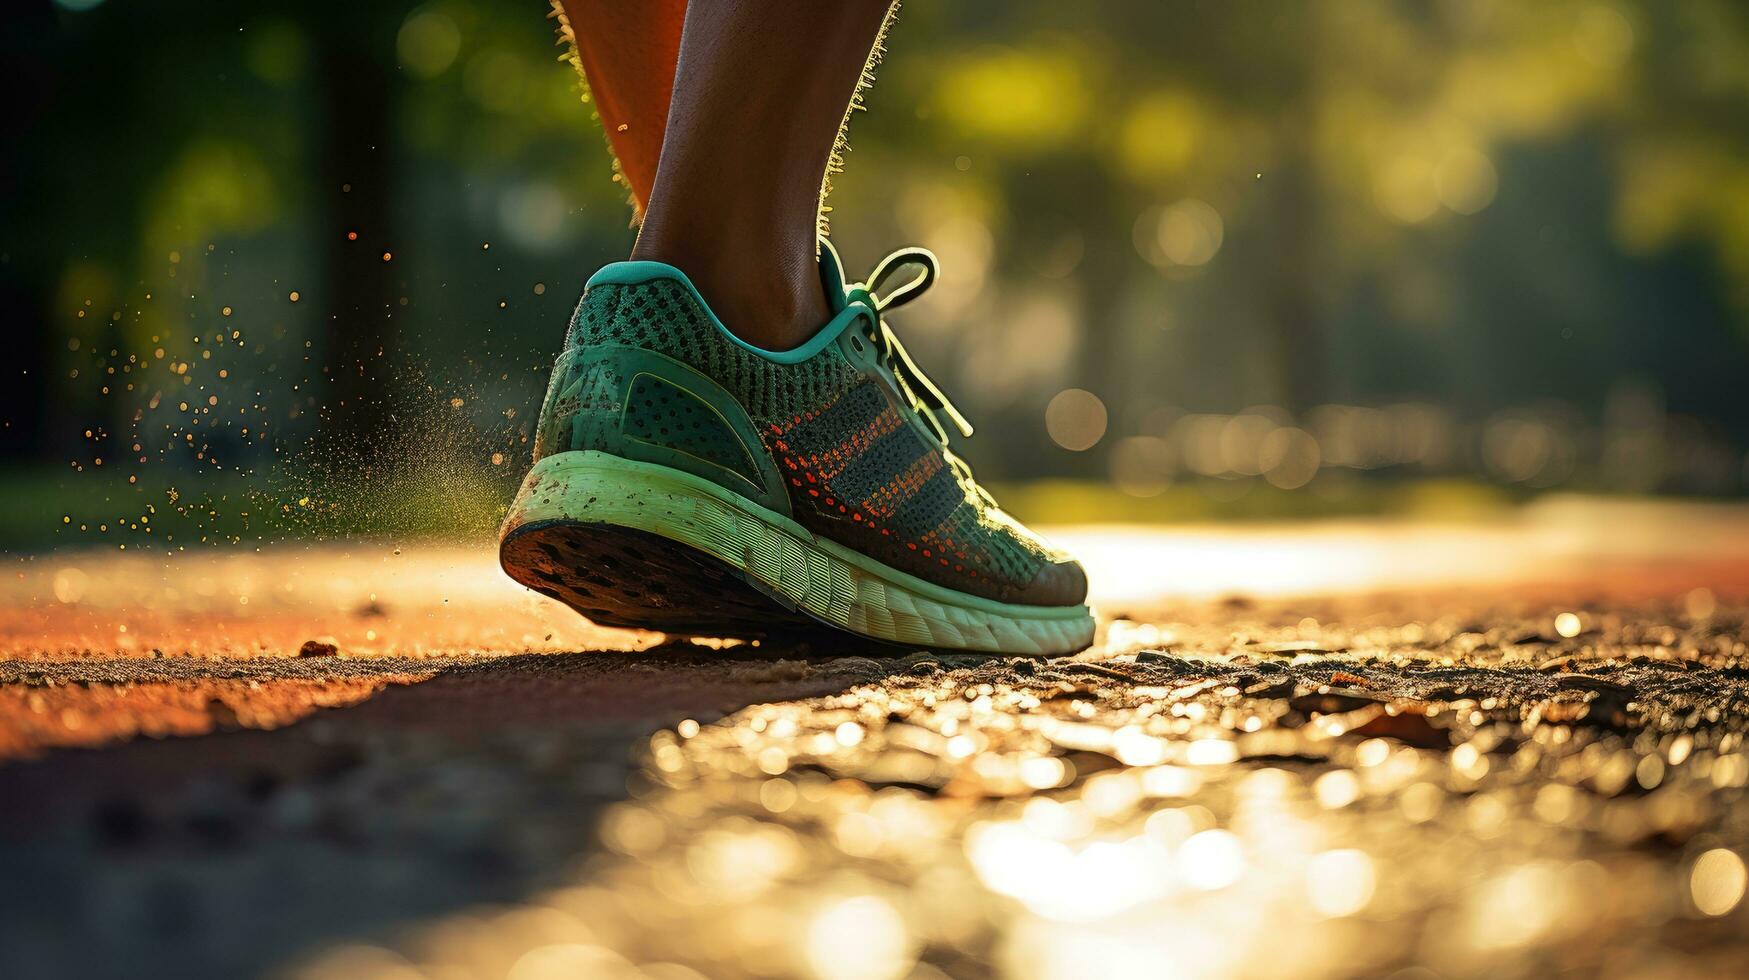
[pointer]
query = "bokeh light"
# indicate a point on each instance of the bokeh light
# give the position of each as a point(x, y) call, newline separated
point(1075, 419)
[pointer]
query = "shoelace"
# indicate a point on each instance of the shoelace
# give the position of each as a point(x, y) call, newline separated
point(925, 397)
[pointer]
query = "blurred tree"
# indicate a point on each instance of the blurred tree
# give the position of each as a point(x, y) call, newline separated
point(360, 94)
point(26, 268)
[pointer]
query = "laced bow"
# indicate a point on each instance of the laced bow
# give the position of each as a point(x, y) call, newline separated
point(925, 397)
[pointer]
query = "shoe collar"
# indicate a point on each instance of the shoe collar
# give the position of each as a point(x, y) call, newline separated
point(846, 310)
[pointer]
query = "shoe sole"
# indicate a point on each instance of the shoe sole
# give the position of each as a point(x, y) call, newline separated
point(636, 544)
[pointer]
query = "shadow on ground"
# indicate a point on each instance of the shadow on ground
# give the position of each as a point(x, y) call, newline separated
point(219, 855)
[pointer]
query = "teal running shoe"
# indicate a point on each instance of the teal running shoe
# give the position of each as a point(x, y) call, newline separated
point(688, 482)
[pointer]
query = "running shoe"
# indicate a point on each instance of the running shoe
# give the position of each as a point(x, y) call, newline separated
point(688, 482)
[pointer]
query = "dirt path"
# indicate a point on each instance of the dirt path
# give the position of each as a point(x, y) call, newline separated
point(1473, 779)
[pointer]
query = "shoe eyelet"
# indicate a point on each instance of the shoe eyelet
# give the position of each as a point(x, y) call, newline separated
point(856, 342)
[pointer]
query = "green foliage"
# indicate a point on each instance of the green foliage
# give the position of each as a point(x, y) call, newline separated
point(1508, 211)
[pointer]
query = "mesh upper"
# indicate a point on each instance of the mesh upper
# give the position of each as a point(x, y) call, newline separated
point(858, 470)
point(657, 412)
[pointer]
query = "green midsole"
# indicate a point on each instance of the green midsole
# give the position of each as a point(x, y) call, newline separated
point(596, 487)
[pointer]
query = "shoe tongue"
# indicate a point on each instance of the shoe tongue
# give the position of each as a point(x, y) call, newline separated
point(832, 277)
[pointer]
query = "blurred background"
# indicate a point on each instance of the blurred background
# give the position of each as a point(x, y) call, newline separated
point(1202, 260)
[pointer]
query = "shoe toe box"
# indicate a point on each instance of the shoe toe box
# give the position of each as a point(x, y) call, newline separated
point(1062, 582)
